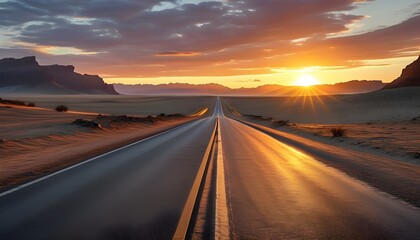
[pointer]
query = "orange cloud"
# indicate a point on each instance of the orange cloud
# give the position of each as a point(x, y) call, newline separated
point(177, 54)
point(130, 39)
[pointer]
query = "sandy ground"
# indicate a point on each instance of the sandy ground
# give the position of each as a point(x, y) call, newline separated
point(24, 122)
point(385, 122)
point(37, 141)
point(119, 104)
point(396, 138)
point(381, 106)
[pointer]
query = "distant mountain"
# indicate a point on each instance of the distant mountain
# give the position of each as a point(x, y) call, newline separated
point(265, 90)
point(410, 76)
point(25, 75)
point(172, 89)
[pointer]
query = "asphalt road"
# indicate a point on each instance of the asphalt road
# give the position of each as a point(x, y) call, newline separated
point(275, 191)
point(135, 193)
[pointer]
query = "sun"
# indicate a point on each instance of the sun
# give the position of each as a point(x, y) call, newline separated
point(306, 80)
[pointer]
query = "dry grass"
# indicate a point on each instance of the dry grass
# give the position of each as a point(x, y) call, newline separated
point(17, 102)
point(338, 132)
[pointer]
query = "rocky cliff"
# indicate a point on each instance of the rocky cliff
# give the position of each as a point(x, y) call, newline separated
point(410, 76)
point(25, 75)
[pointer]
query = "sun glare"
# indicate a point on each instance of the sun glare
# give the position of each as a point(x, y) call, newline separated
point(306, 80)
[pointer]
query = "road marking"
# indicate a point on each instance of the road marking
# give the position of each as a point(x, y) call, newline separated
point(222, 217)
point(199, 113)
point(184, 220)
point(87, 161)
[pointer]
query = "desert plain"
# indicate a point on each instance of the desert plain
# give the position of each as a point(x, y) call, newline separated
point(379, 142)
point(386, 121)
point(39, 140)
point(379, 147)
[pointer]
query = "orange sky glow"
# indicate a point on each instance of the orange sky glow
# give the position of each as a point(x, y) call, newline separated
point(235, 43)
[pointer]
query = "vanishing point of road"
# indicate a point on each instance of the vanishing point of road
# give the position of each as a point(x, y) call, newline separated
point(260, 188)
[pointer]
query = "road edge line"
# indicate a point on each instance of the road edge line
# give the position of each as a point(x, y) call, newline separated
point(222, 217)
point(2, 194)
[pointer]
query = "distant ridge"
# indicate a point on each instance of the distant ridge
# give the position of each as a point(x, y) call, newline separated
point(355, 86)
point(172, 89)
point(25, 75)
point(409, 77)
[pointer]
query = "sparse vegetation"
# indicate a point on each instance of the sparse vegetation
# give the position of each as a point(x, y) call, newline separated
point(61, 108)
point(16, 102)
point(338, 132)
point(87, 123)
point(279, 123)
point(134, 119)
point(258, 117)
point(414, 154)
point(275, 123)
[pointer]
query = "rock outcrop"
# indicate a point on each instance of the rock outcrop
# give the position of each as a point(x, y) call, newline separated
point(410, 76)
point(25, 75)
point(87, 123)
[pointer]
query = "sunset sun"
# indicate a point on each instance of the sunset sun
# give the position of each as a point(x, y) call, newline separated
point(306, 80)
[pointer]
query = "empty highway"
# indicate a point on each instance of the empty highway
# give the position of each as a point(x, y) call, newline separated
point(137, 192)
point(275, 191)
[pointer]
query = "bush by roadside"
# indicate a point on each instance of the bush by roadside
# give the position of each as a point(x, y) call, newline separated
point(61, 108)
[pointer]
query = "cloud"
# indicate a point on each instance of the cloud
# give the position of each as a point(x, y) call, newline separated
point(249, 80)
point(177, 54)
point(152, 38)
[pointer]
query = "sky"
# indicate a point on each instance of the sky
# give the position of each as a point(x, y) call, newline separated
point(237, 43)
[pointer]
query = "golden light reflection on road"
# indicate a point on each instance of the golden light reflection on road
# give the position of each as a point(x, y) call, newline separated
point(200, 113)
point(295, 196)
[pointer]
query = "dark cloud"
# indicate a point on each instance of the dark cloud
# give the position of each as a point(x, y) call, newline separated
point(207, 38)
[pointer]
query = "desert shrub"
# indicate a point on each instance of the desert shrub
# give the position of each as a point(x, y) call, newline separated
point(14, 102)
point(87, 123)
point(161, 115)
point(338, 132)
point(279, 123)
point(414, 154)
point(61, 108)
point(31, 104)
